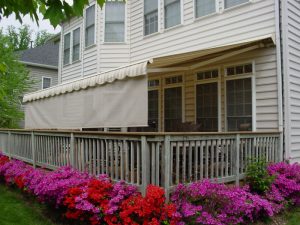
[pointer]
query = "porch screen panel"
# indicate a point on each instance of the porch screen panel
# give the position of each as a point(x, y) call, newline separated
point(153, 110)
point(123, 103)
point(173, 108)
point(239, 105)
point(207, 106)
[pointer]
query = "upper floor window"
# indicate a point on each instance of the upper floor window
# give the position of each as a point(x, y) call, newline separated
point(231, 3)
point(67, 46)
point(204, 7)
point(46, 82)
point(150, 16)
point(172, 13)
point(76, 44)
point(90, 26)
point(114, 21)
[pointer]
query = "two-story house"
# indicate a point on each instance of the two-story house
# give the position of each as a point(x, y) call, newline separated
point(178, 65)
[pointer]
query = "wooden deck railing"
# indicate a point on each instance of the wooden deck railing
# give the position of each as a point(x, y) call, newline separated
point(164, 159)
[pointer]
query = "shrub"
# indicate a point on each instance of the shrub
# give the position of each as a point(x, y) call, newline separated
point(257, 176)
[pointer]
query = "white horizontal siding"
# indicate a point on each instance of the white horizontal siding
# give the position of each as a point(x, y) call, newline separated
point(250, 20)
point(291, 45)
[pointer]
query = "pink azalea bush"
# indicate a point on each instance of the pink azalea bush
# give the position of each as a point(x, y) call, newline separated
point(97, 200)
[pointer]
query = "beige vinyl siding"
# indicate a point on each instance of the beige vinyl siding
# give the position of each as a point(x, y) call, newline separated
point(247, 21)
point(37, 74)
point(291, 57)
point(265, 82)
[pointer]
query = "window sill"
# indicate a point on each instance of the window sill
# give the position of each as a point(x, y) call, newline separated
point(173, 28)
point(151, 35)
point(237, 6)
point(206, 16)
point(76, 61)
point(114, 43)
point(90, 46)
point(67, 65)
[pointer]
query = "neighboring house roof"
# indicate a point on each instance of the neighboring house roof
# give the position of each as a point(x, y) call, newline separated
point(42, 56)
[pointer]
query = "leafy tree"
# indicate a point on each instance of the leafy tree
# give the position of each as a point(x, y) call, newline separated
point(41, 38)
point(14, 82)
point(19, 37)
point(54, 10)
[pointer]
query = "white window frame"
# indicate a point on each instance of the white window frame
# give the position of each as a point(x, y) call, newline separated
point(181, 16)
point(158, 18)
point(43, 77)
point(236, 6)
point(95, 29)
point(206, 81)
point(159, 89)
point(167, 86)
point(253, 89)
point(70, 47)
point(208, 15)
point(125, 27)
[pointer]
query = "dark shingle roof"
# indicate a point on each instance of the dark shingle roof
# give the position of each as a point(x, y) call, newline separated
point(46, 54)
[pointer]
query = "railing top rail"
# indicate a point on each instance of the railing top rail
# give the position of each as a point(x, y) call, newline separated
point(101, 133)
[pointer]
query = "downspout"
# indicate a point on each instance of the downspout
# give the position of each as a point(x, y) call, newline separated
point(279, 77)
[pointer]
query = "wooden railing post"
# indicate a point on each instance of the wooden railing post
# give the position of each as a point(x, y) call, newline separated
point(237, 159)
point(33, 149)
point(72, 150)
point(166, 165)
point(9, 145)
point(145, 164)
point(280, 151)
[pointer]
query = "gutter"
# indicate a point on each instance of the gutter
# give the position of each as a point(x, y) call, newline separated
point(39, 65)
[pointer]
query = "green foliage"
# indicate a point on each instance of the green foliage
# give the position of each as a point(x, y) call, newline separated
point(41, 38)
point(14, 82)
point(19, 37)
point(258, 177)
point(54, 10)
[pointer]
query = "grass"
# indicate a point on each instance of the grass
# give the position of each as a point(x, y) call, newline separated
point(15, 209)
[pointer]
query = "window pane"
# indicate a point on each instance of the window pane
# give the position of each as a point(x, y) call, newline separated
point(76, 44)
point(90, 35)
point(76, 52)
point(46, 82)
point(114, 32)
point(90, 16)
point(172, 13)
point(66, 56)
point(115, 22)
point(67, 41)
point(207, 106)
point(205, 7)
point(151, 16)
point(67, 49)
point(239, 105)
point(173, 109)
point(76, 36)
point(231, 3)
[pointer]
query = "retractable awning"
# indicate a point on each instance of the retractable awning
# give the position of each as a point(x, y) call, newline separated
point(119, 97)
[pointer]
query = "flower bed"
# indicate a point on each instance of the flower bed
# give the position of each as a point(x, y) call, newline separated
point(97, 200)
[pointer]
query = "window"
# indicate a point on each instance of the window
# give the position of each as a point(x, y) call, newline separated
point(90, 26)
point(207, 106)
point(239, 104)
point(76, 45)
point(67, 51)
point(173, 80)
point(46, 82)
point(211, 74)
point(172, 13)
point(240, 69)
point(153, 110)
point(204, 7)
point(173, 108)
point(114, 21)
point(231, 3)
point(150, 16)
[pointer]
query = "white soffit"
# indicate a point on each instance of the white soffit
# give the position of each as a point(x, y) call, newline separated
point(129, 71)
point(172, 60)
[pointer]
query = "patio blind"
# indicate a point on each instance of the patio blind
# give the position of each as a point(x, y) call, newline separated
point(122, 103)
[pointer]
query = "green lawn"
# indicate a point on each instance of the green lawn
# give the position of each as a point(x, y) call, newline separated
point(293, 217)
point(15, 209)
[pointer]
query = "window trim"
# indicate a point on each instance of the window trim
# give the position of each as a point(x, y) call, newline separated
point(212, 80)
point(217, 5)
point(43, 77)
point(167, 86)
point(253, 89)
point(70, 47)
point(125, 27)
point(159, 89)
point(164, 16)
point(236, 6)
point(158, 19)
point(95, 27)
point(72, 36)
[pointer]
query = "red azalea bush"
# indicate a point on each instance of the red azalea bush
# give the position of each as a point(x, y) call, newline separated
point(97, 200)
